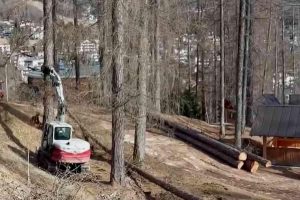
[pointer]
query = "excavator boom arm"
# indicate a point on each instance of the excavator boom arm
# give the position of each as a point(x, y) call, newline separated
point(57, 84)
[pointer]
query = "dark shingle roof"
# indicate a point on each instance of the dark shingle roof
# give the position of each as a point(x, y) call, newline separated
point(277, 121)
point(294, 99)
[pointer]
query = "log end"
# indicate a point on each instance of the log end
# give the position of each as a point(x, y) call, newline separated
point(268, 164)
point(254, 167)
point(243, 156)
point(240, 164)
point(251, 166)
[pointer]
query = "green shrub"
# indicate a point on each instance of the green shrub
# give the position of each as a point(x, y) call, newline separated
point(189, 105)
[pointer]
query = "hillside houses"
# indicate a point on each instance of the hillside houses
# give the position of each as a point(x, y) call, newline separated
point(4, 46)
point(87, 46)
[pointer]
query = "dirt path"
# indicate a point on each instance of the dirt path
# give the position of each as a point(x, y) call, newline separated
point(17, 138)
point(197, 172)
point(188, 168)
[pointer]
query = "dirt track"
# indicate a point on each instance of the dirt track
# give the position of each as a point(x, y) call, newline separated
point(198, 173)
point(168, 159)
point(17, 137)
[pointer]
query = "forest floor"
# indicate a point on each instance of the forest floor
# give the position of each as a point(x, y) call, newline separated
point(166, 158)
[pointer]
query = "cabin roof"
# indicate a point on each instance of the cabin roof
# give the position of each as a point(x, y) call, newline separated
point(267, 99)
point(277, 121)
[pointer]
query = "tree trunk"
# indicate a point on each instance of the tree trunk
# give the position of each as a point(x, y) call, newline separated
point(222, 72)
point(189, 61)
point(267, 50)
point(179, 73)
point(203, 99)
point(198, 50)
point(55, 59)
point(101, 31)
point(246, 64)
point(276, 62)
point(249, 92)
point(197, 70)
point(118, 114)
point(140, 129)
point(293, 51)
point(157, 95)
point(189, 50)
point(283, 60)
point(239, 80)
point(48, 61)
point(77, 43)
point(215, 103)
point(106, 71)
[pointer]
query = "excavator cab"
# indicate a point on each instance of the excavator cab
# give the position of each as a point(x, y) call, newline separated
point(59, 149)
point(55, 132)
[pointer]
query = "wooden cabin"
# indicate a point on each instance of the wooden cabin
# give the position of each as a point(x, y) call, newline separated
point(279, 126)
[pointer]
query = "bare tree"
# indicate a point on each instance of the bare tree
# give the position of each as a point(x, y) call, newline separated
point(267, 49)
point(215, 103)
point(55, 26)
point(276, 61)
point(157, 96)
point(77, 43)
point(48, 60)
point(246, 63)
point(139, 143)
point(118, 114)
point(203, 94)
point(239, 81)
point(222, 72)
point(283, 59)
point(101, 19)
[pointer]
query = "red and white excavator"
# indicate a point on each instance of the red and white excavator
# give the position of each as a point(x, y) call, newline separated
point(58, 149)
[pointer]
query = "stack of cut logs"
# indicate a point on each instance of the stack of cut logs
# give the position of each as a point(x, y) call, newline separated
point(236, 158)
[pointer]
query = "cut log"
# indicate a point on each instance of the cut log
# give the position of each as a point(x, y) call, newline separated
point(168, 187)
point(197, 135)
point(202, 146)
point(259, 159)
point(251, 165)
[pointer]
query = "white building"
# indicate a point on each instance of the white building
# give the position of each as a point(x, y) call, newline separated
point(24, 62)
point(88, 47)
point(4, 46)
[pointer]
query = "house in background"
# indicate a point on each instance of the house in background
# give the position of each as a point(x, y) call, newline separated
point(280, 128)
point(4, 46)
point(88, 46)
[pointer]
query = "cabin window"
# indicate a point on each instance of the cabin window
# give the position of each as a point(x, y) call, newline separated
point(62, 133)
